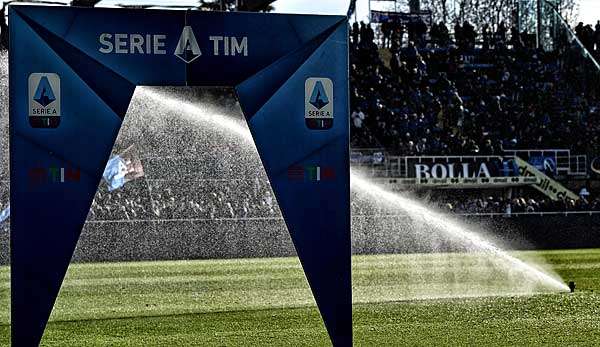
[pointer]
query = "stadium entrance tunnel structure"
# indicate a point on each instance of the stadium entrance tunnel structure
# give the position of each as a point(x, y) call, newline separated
point(73, 72)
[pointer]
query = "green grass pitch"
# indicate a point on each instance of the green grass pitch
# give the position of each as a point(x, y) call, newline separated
point(255, 302)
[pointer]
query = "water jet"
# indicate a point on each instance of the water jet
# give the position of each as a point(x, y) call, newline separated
point(428, 229)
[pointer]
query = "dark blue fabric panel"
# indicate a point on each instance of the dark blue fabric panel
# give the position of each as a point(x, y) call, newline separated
point(316, 212)
point(47, 216)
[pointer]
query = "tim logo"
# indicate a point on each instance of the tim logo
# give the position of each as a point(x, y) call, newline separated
point(310, 173)
point(44, 100)
point(318, 97)
point(40, 175)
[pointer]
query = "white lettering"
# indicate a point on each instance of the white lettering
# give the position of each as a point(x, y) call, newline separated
point(215, 40)
point(148, 43)
point(451, 170)
point(422, 171)
point(159, 44)
point(465, 170)
point(239, 48)
point(187, 48)
point(105, 42)
point(136, 43)
point(121, 43)
point(484, 170)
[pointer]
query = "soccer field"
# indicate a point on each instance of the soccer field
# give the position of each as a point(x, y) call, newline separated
point(267, 301)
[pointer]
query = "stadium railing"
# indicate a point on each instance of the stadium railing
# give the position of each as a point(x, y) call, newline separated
point(566, 163)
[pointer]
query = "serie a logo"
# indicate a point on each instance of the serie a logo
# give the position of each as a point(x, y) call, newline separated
point(44, 100)
point(318, 103)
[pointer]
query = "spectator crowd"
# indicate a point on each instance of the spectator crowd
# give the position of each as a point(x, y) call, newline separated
point(189, 199)
point(471, 94)
point(496, 205)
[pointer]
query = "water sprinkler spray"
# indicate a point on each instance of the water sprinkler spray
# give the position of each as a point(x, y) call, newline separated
point(404, 205)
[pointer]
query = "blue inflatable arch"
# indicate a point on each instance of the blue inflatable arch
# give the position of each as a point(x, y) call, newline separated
point(73, 72)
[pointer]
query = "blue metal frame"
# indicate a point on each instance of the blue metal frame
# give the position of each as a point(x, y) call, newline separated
point(83, 66)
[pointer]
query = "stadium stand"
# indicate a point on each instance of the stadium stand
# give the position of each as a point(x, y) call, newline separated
point(451, 98)
point(418, 91)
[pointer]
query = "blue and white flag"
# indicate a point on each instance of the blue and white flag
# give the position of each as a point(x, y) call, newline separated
point(123, 168)
point(5, 214)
